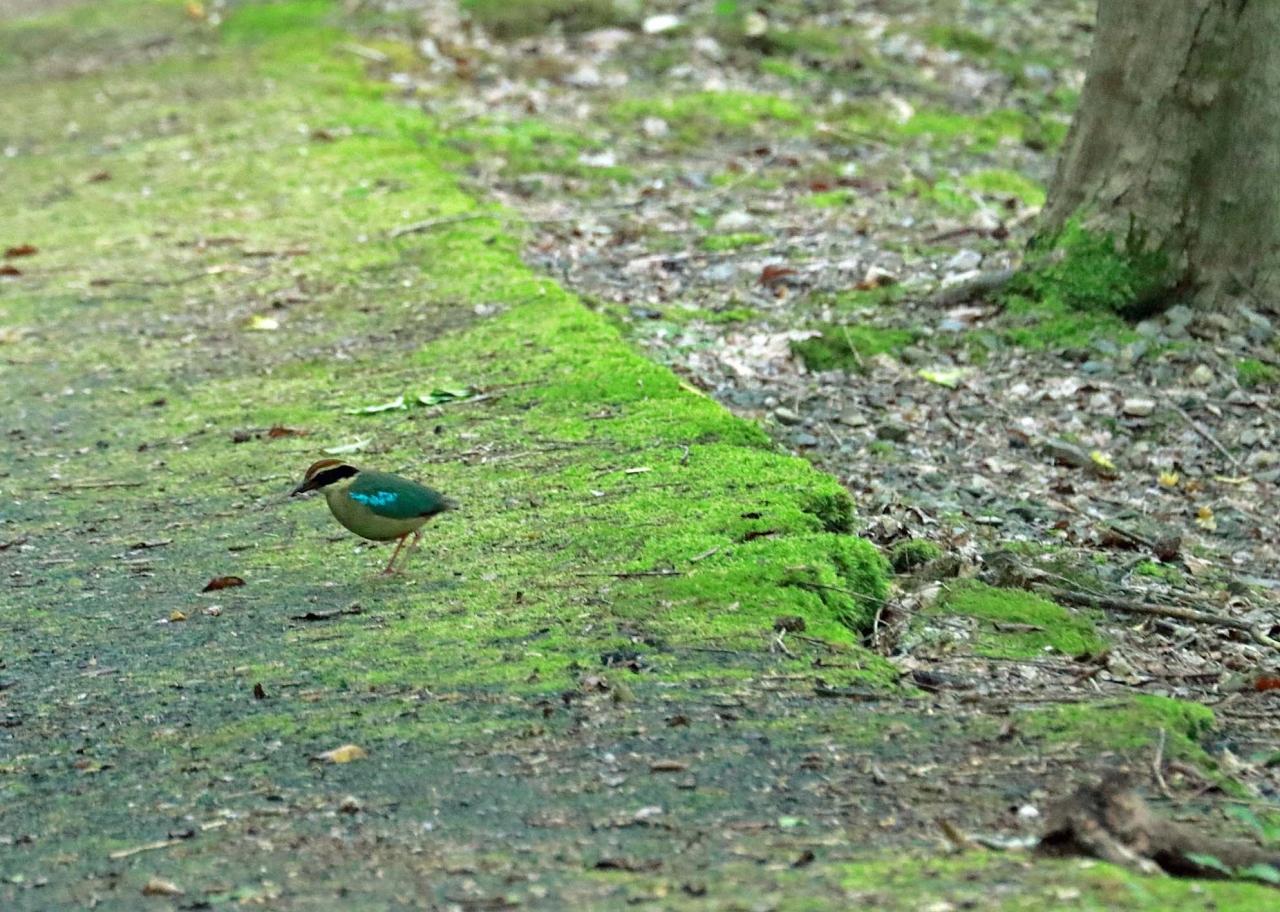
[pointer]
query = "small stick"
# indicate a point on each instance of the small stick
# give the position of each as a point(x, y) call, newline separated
point(432, 224)
point(75, 486)
point(1204, 432)
point(138, 850)
point(632, 573)
point(1157, 766)
point(1108, 603)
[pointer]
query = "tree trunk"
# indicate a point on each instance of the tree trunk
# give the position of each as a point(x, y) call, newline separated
point(1177, 143)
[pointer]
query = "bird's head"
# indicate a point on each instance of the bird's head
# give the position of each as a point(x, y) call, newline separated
point(322, 473)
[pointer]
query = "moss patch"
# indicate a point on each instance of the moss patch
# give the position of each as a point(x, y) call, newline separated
point(702, 116)
point(1015, 623)
point(912, 553)
point(1004, 184)
point(1251, 372)
point(842, 347)
point(1008, 883)
point(530, 17)
point(1078, 269)
point(719, 243)
point(1126, 726)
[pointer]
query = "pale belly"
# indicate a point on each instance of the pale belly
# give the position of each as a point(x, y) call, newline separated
point(364, 522)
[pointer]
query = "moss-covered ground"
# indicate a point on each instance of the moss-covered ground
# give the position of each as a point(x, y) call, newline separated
point(628, 672)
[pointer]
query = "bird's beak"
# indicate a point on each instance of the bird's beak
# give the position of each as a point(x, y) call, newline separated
point(302, 489)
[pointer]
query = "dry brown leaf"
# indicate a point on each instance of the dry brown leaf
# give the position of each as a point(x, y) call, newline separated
point(20, 250)
point(157, 886)
point(222, 582)
point(344, 754)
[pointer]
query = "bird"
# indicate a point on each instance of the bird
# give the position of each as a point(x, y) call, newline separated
point(376, 505)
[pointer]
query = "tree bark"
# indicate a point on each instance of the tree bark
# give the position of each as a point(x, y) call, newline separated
point(1178, 137)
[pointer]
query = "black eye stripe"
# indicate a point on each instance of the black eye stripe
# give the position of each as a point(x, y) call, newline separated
point(336, 473)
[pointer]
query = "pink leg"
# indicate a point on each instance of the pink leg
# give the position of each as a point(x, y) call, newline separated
point(417, 537)
point(390, 568)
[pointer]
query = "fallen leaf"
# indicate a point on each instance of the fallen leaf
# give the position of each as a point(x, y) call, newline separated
point(1102, 463)
point(344, 754)
point(772, 274)
point(259, 323)
point(279, 430)
point(222, 582)
point(98, 177)
point(175, 616)
point(259, 692)
point(396, 403)
point(1205, 519)
point(7, 270)
point(195, 10)
point(11, 334)
point(343, 448)
point(668, 766)
point(1267, 682)
point(446, 394)
point(20, 250)
point(876, 277)
point(1168, 479)
point(949, 377)
point(158, 887)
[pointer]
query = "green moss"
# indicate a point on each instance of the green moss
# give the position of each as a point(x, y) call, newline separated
point(966, 41)
point(1002, 183)
point(1251, 372)
point(1004, 882)
point(944, 195)
point(1127, 726)
point(911, 553)
point(1054, 325)
point(1078, 269)
point(702, 116)
point(831, 199)
point(1020, 624)
point(530, 146)
point(834, 509)
point(1159, 571)
point(979, 132)
point(719, 243)
point(843, 347)
point(529, 17)
point(785, 69)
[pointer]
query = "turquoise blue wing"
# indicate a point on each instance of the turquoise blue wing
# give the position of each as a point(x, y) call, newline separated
point(395, 497)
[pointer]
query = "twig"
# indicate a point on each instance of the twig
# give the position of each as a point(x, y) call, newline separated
point(870, 599)
point(138, 850)
point(1204, 432)
point(329, 615)
point(79, 485)
point(366, 53)
point(1157, 766)
point(1195, 616)
point(983, 283)
point(432, 224)
point(632, 573)
point(13, 542)
point(955, 836)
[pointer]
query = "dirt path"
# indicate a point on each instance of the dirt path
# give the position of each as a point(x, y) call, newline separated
point(587, 696)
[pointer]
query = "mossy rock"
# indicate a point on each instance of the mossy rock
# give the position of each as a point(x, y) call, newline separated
point(1129, 726)
point(912, 554)
point(1014, 623)
point(1084, 270)
point(842, 347)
